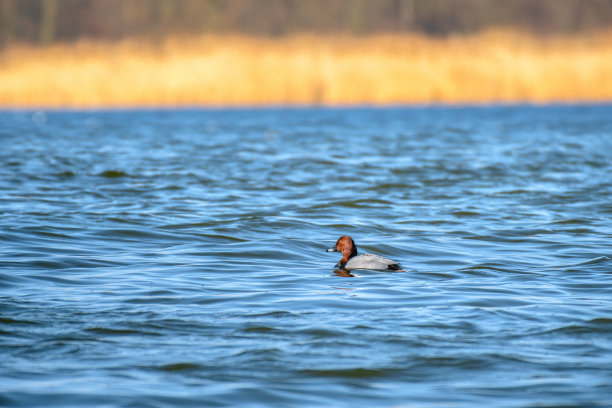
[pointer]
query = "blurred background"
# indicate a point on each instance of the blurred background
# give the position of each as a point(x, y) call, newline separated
point(463, 51)
point(46, 21)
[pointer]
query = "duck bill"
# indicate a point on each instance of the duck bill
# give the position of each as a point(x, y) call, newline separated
point(332, 250)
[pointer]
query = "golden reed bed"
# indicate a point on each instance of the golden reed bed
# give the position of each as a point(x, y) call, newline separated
point(494, 66)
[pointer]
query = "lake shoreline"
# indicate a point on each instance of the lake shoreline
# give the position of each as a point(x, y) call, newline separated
point(495, 66)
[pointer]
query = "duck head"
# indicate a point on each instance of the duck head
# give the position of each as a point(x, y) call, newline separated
point(346, 246)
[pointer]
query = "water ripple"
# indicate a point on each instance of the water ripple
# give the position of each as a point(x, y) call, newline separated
point(177, 257)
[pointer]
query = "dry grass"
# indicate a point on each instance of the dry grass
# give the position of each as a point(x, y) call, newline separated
point(494, 66)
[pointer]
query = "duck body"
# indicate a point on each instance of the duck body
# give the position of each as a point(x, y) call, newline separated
point(371, 261)
point(351, 260)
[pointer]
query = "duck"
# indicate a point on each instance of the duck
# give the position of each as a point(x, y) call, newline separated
point(350, 260)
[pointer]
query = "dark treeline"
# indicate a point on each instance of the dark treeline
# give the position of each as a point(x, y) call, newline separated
point(46, 21)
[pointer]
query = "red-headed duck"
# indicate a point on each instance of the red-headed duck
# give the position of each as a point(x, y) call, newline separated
point(350, 260)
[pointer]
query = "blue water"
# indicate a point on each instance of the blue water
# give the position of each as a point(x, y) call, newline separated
point(177, 257)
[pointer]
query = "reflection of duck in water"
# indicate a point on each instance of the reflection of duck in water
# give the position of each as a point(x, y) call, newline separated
point(350, 260)
point(344, 273)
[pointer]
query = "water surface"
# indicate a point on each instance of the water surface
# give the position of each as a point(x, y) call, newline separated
point(177, 257)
